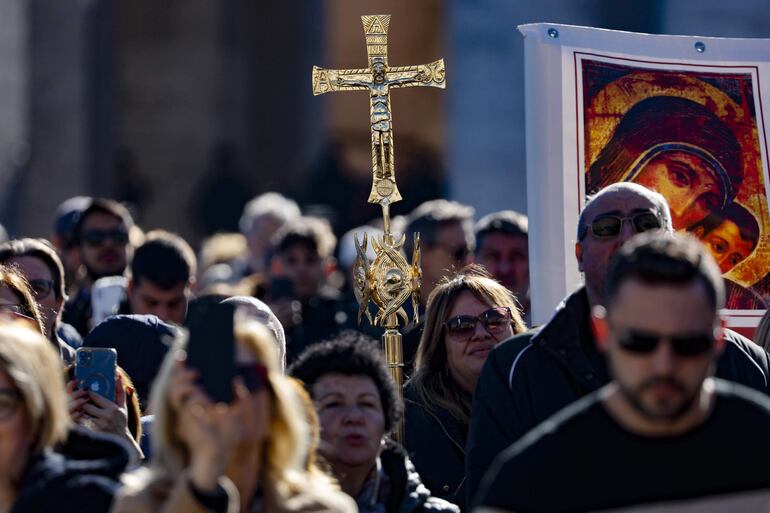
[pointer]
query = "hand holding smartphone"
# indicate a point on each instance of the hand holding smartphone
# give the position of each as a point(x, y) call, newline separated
point(95, 370)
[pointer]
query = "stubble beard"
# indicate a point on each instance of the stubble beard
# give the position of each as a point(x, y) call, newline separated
point(634, 399)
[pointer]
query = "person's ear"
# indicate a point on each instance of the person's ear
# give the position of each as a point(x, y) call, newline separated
point(719, 336)
point(276, 267)
point(329, 266)
point(579, 255)
point(130, 288)
point(599, 326)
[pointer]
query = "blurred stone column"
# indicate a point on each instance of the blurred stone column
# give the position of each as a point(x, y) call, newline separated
point(56, 111)
point(14, 81)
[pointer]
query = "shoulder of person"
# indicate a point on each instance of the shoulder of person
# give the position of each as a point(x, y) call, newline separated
point(753, 350)
point(506, 351)
point(310, 496)
point(739, 350)
point(523, 463)
point(144, 491)
point(91, 452)
point(742, 395)
point(548, 430)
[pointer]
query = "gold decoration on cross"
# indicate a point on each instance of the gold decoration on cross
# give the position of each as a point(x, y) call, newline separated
point(379, 79)
point(389, 280)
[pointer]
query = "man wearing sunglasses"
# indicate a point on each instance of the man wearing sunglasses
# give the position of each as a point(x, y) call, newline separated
point(101, 237)
point(646, 434)
point(530, 377)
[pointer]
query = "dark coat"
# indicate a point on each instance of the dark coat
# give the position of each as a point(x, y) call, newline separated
point(319, 322)
point(407, 493)
point(82, 476)
point(435, 442)
point(531, 376)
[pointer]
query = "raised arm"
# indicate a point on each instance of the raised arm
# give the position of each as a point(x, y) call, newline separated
point(330, 80)
point(431, 75)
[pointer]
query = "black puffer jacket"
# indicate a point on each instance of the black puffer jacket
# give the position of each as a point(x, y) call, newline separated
point(435, 442)
point(531, 376)
point(81, 476)
point(407, 493)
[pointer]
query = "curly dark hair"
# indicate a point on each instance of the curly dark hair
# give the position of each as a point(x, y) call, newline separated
point(351, 354)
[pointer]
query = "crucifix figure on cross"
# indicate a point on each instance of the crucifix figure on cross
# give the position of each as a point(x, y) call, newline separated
point(378, 79)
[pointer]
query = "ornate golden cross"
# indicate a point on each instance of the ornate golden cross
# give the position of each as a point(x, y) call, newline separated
point(378, 79)
point(389, 280)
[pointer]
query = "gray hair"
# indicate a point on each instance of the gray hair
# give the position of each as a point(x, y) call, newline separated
point(260, 312)
point(269, 204)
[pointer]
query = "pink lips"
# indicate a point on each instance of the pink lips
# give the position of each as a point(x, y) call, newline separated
point(481, 351)
point(355, 439)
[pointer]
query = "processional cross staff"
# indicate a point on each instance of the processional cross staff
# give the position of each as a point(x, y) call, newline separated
point(389, 280)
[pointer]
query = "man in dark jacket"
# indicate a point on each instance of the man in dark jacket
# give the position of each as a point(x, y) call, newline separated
point(663, 431)
point(530, 377)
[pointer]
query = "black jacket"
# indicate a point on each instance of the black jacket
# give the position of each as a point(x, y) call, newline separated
point(435, 442)
point(531, 376)
point(407, 493)
point(82, 476)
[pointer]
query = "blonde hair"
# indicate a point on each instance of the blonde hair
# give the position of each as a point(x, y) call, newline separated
point(34, 366)
point(288, 442)
point(431, 381)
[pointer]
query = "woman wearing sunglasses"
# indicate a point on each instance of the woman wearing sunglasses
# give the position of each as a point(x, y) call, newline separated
point(467, 316)
point(247, 456)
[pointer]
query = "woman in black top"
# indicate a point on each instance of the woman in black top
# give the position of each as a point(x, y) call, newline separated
point(467, 316)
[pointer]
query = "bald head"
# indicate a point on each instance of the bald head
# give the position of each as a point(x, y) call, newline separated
point(628, 189)
point(630, 203)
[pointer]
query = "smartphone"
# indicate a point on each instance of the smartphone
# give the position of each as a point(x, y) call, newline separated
point(211, 348)
point(281, 288)
point(106, 296)
point(95, 370)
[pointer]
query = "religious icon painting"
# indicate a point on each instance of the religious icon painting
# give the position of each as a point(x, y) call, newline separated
point(691, 134)
point(680, 115)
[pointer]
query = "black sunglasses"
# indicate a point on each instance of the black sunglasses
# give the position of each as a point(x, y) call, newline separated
point(97, 237)
point(254, 376)
point(41, 288)
point(607, 226)
point(643, 342)
point(494, 320)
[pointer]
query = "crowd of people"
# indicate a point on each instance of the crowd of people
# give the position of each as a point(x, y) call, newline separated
point(633, 393)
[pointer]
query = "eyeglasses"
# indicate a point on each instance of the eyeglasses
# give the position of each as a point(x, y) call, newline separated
point(606, 226)
point(9, 402)
point(41, 288)
point(494, 320)
point(643, 342)
point(98, 237)
point(254, 376)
